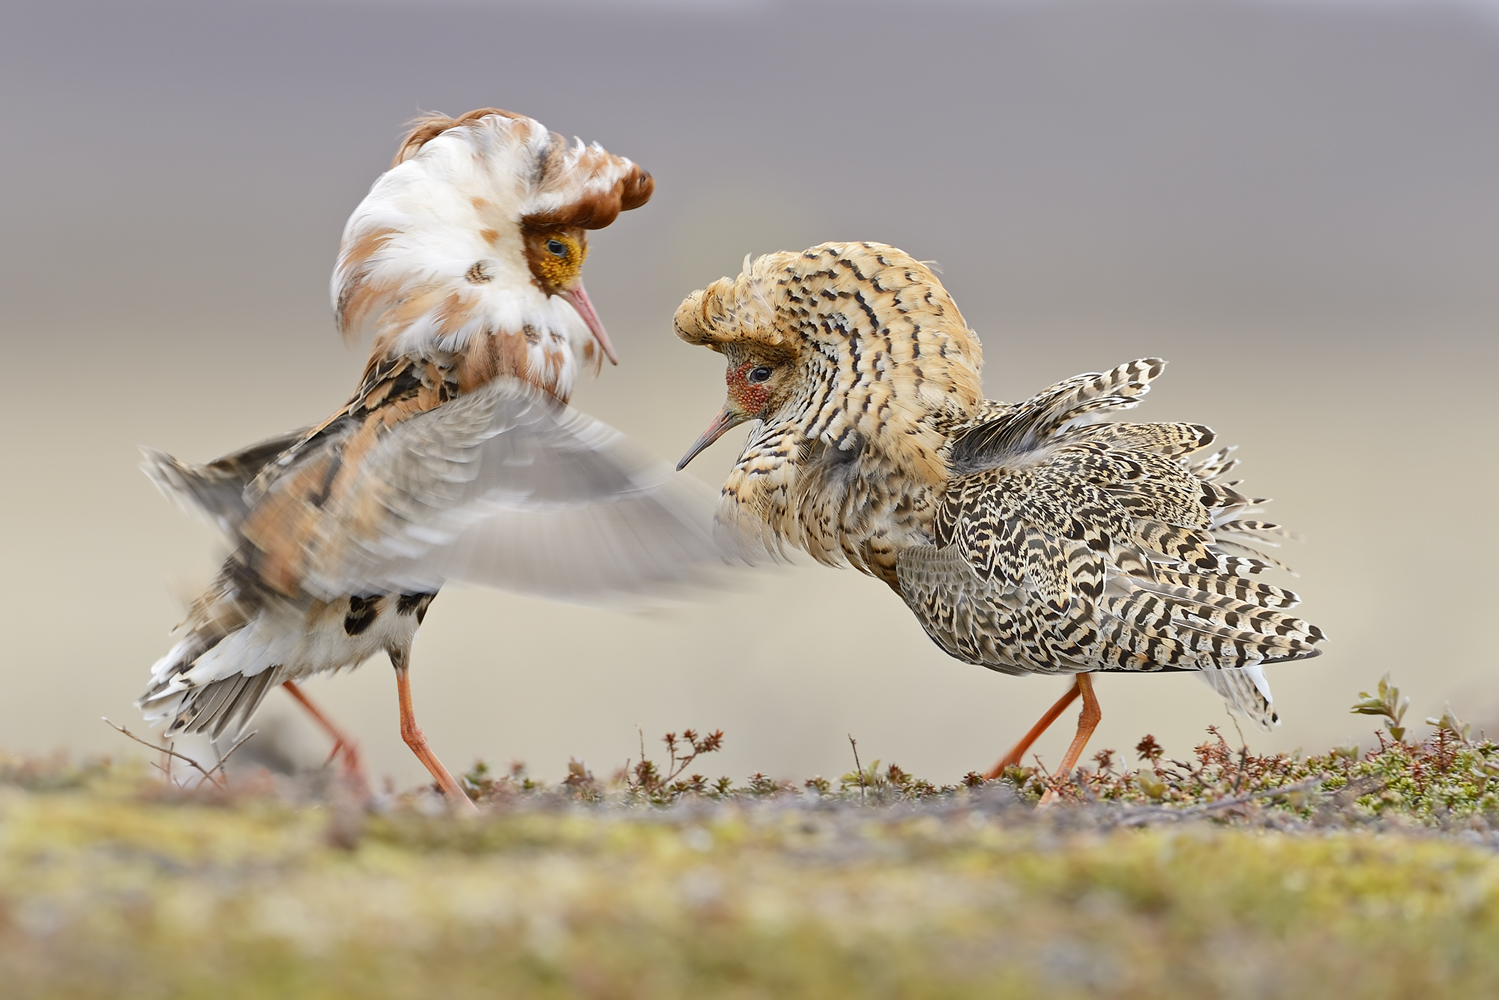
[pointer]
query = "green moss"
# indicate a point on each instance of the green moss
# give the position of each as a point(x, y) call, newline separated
point(1228, 874)
point(111, 887)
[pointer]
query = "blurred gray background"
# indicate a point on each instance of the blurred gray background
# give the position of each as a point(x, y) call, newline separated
point(1296, 203)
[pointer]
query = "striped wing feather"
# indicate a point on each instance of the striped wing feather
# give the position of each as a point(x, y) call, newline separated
point(1070, 546)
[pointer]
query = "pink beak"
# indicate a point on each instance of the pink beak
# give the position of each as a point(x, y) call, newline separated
point(577, 297)
point(727, 418)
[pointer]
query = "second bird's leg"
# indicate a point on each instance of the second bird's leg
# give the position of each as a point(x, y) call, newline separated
point(416, 739)
point(343, 743)
point(1087, 721)
point(1018, 751)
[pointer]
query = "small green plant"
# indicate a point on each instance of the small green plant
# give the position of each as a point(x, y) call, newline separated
point(893, 782)
point(761, 786)
point(1452, 724)
point(1386, 702)
point(868, 780)
point(482, 784)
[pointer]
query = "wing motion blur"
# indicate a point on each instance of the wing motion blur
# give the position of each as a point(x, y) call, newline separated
point(502, 486)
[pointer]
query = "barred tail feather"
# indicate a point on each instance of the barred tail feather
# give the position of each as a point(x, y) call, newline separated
point(1215, 465)
point(1184, 621)
point(215, 676)
point(1246, 691)
point(180, 697)
point(1208, 587)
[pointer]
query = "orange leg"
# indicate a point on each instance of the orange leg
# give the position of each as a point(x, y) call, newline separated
point(1087, 721)
point(417, 740)
point(1015, 754)
point(343, 744)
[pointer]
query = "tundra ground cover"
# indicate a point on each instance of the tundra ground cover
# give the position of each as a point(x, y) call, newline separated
point(1222, 874)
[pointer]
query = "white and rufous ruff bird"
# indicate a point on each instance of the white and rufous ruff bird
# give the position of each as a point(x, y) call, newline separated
point(1029, 538)
point(455, 459)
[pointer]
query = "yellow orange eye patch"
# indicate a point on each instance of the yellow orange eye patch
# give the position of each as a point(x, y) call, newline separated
point(560, 259)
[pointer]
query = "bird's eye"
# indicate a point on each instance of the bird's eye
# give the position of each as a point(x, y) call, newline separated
point(760, 374)
point(556, 248)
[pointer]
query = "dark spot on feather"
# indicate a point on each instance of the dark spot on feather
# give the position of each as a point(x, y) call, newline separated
point(362, 614)
point(415, 604)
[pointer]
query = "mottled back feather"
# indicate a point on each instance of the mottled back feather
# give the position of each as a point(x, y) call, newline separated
point(1038, 537)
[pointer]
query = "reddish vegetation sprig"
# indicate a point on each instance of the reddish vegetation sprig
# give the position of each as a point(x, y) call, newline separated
point(1449, 777)
point(663, 784)
point(1443, 779)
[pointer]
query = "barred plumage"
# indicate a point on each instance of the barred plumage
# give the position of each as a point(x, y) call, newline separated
point(1026, 538)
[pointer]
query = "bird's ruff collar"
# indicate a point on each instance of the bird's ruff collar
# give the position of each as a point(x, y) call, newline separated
point(434, 254)
point(864, 319)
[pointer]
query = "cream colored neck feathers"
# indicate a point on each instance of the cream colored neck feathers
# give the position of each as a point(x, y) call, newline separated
point(871, 365)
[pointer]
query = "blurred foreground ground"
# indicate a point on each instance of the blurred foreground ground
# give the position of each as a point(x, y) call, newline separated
point(1221, 876)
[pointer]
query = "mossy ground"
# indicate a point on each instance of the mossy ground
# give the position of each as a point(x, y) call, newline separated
point(1224, 876)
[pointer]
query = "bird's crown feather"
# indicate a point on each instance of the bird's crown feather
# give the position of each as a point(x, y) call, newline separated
point(568, 183)
point(434, 251)
point(863, 318)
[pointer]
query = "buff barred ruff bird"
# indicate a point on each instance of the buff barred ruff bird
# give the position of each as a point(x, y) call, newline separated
point(1026, 538)
point(456, 457)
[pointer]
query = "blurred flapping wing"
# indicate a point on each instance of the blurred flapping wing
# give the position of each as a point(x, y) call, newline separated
point(216, 491)
point(502, 486)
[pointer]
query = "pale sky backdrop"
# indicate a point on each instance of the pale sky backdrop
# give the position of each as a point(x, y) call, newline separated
point(1296, 203)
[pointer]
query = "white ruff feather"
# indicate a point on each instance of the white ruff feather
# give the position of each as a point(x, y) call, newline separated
point(409, 250)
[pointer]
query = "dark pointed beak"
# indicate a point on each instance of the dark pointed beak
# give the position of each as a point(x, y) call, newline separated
point(577, 297)
point(728, 417)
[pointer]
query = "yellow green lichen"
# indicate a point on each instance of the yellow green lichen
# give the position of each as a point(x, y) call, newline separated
point(1370, 874)
point(112, 889)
